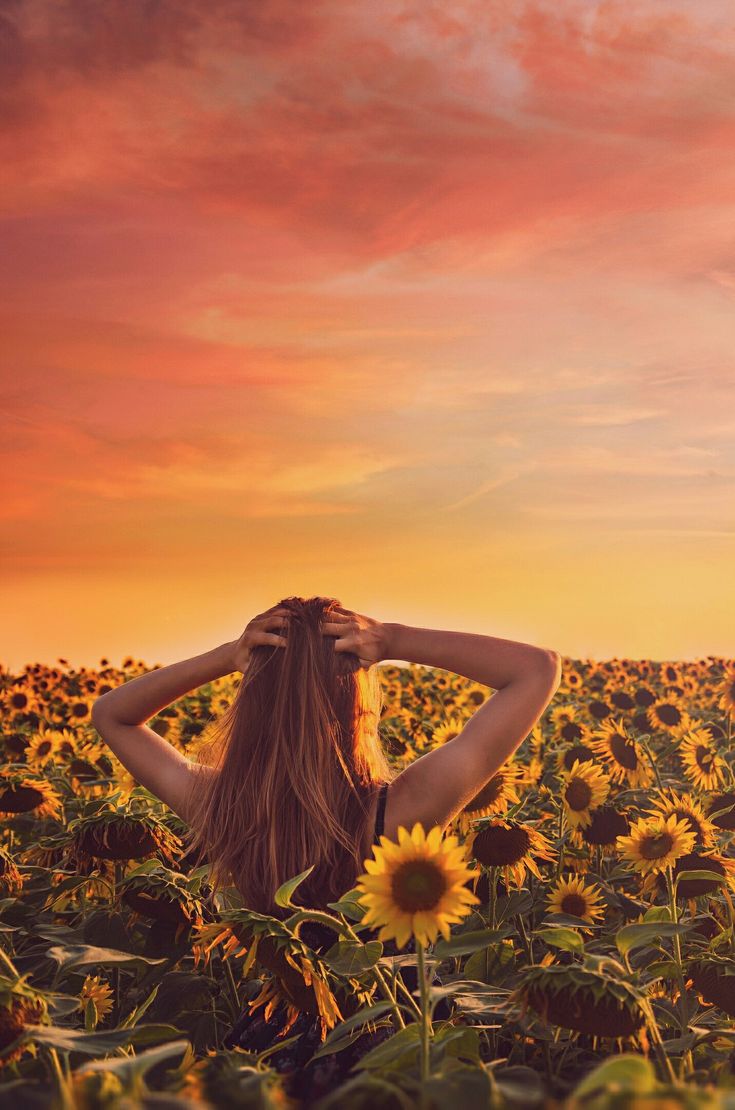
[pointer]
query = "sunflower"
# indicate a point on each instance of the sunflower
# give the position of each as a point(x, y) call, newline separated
point(120, 834)
point(727, 690)
point(494, 797)
point(699, 861)
point(606, 824)
point(417, 886)
point(585, 789)
point(566, 756)
point(702, 764)
point(27, 793)
point(11, 879)
point(625, 761)
point(448, 731)
point(595, 1002)
point(720, 812)
point(656, 843)
point(43, 746)
point(20, 1006)
point(684, 805)
point(512, 847)
point(666, 714)
point(576, 898)
point(100, 993)
point(163, 895)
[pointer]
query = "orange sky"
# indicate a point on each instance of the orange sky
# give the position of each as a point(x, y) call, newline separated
point(426, 308)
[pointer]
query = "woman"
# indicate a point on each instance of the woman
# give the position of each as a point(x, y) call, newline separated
point(296, 775)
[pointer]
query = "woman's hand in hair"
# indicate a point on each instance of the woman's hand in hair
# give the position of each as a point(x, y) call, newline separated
point(365, 636)
point(263, 629)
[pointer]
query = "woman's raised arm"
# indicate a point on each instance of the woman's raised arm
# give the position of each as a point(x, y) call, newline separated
point(119, 717)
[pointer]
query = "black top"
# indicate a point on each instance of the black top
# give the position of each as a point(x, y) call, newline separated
point(380, 815)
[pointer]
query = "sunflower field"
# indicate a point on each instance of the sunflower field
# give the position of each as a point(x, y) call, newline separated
point(569, 942)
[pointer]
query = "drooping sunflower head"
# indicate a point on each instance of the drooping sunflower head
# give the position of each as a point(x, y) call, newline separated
point(584, 789)
point(722, 868)
point(685, 806)
point(625, 760)
point(20, 1006)
point(576, 898)
point(702, 764)
point(656, 843)
point(511, 847)
point(586, 1001)
point(416, 887)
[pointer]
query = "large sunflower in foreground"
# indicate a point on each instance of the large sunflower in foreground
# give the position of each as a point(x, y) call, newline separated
point(656, 843)
point(625, 760)
point(702, 763)
point(585, 788)
point(417, 886)
point(577, 898)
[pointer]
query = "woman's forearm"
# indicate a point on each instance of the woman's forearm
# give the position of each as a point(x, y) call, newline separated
point(488, 659)
point(141, 698)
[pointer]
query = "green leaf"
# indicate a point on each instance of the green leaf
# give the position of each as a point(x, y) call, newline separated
point(285, 892)
point(561, 937)
point(71, 957)
point(130, 1068)
point(349, 906)
point(627, 1072)
point(706, 876)
point(352, 959)
point(465, 943)
point(356, 1021)
point(97, 1044)
point(635, 936)
point(397, 1051)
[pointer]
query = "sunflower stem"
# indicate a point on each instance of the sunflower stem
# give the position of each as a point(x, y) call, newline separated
point(683, 1003)
point(493, 897)
point(425, 1019)
point(66, 1100)
point(5, 958)
point(389, 994)
point(652, 761)
point(409, 997)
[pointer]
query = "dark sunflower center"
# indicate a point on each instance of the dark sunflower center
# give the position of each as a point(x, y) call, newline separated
point(668, 714)
point(417, 885)
point(578, 794)
point(44, 748)
point(497, 846)
point(656, 846)
point(574, 904)
point(580, 752)
point(704, 757)
point(624, 752)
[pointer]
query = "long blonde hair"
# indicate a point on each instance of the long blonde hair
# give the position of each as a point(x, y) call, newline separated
point(299, 758)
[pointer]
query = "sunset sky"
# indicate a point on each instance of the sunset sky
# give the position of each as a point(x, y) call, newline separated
point(427, 307)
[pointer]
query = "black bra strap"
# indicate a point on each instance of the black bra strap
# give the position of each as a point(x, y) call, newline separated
point(380, 816)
